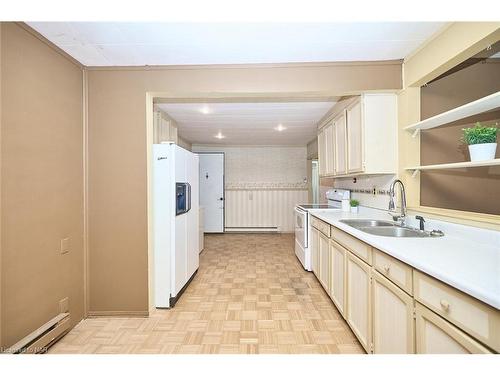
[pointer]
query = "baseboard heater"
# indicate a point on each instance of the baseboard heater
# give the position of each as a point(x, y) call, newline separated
point(41, 339)
point(251, 229)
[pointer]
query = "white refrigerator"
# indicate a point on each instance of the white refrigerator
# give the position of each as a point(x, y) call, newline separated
point(175, 221)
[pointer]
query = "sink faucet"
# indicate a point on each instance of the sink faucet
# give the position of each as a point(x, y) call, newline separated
point(402, 217)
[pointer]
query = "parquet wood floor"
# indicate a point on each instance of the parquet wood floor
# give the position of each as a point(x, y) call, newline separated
point(250, 296)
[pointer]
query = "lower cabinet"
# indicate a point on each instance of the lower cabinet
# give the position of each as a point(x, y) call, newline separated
point(393, 323)
point(324, 262)
point(358, 298)
point(337, 275)
point(436, 336)
point(314, 243)
point(385, 305)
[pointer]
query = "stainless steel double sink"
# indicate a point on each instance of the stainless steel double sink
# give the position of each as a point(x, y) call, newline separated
point(384, 228)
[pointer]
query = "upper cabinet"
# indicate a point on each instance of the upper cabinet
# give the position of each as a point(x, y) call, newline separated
point(360, 136)
point(355, 157)
point(326, 149)
point(340, 156)
point(322, 152)
point(164, 129)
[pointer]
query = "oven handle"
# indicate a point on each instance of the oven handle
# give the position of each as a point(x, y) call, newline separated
point(299, 211)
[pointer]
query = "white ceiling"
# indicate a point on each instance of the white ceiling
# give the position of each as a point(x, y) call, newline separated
point(247, 123)
point(126, 44)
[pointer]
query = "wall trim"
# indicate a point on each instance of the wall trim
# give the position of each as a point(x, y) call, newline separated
point(121, 313)
point(245, 146)
point(247, 66)
point(149, 191)
point(86, 250)
point(1, 277)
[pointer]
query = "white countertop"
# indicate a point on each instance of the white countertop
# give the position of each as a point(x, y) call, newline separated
point(466, 258)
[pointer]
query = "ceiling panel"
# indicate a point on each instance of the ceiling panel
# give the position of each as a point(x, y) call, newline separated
point(247, 123)
point(132, 44)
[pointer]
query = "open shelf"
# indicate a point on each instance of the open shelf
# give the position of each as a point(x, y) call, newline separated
point(470, 109)
point(464, 164)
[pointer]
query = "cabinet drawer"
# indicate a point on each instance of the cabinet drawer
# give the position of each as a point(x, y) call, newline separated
point(474, 317)
point(356, 246)
point(399, 273)
point(321, 226)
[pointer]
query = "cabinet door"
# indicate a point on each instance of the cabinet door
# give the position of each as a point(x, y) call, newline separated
point(322, 152)
point(330, 148)
point(393, 323)
point(324, 262)
point(337, 275)
point(436, 336)
point(315, 251)
point(355, 147)
point(358, 298)
point(340, 145)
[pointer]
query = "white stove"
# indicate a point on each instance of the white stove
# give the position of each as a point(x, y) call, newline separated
point(303, 223)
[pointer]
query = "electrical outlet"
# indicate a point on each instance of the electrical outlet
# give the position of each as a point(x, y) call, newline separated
point(64, 305)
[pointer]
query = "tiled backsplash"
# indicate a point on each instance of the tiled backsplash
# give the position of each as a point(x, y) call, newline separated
point(362, 189)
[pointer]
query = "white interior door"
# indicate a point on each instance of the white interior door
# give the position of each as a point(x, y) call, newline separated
point(212, 190)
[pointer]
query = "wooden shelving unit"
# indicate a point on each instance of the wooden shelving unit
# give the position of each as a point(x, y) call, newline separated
point(485, 104)
point(465, 164)
point(482, 105)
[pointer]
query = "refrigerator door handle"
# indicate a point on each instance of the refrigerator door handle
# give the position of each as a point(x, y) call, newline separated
point(188, 196)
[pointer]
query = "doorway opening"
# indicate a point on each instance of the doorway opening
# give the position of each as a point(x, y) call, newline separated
point(252, 147)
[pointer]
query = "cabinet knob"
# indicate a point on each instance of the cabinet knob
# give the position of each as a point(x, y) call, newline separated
point(387, 268)
point(445, 305)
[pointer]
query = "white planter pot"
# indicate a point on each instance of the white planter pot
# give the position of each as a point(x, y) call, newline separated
point(483, 151)
point(355, 210)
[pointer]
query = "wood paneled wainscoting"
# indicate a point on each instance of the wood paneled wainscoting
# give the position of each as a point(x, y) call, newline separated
point(262, 209)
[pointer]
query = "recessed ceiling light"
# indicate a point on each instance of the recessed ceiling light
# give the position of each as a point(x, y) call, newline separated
point(219, 135)
point(205, 110)
point(280, 128)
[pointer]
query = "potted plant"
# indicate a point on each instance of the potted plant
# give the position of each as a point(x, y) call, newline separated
point(354, 206)
point(482, 141)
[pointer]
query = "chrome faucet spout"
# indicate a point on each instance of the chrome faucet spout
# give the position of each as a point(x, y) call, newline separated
point(392, 204)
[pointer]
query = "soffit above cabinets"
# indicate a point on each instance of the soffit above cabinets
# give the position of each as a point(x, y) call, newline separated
point(247, 123)
point(139, 44)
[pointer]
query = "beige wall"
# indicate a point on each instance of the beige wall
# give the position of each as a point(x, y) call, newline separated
point(457, 189)
point(118, 233)
point(41, 183)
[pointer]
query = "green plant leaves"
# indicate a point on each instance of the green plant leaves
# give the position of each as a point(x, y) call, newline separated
point(354, 203)
point(479, 134)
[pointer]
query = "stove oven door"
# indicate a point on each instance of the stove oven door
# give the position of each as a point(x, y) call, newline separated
point(301, 227)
